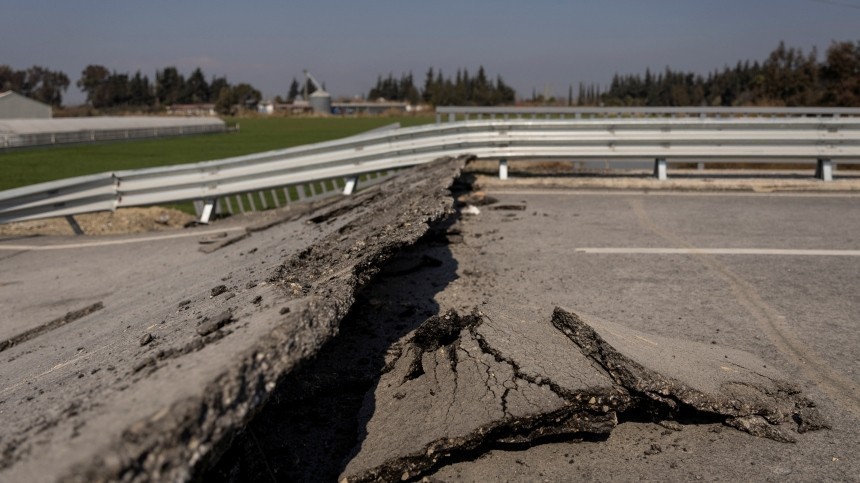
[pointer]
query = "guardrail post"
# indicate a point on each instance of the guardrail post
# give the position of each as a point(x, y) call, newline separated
point(438, 118)
point(452, 117)
point(503, 169)
point(74, 224)
point(351, 184)
point(824, 170)
point(262, 197)
point(660, 169)
point(208, 210)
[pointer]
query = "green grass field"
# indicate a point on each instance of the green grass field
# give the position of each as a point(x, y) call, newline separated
point(36, 165)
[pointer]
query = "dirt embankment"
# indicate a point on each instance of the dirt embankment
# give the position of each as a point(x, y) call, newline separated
point(126, 220)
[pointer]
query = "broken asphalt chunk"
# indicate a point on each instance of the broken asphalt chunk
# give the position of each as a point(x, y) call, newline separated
point(463, 383)
point(681, 374)
point(211, 325)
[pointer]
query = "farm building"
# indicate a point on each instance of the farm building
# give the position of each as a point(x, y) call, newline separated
point(16, 106)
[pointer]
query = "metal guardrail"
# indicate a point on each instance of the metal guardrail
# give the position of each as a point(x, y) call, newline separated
point(455, 113)
point(795, 138)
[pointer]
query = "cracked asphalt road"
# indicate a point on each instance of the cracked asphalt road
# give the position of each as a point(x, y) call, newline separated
point(795, 313)
point(364, 409)
point(342, 317)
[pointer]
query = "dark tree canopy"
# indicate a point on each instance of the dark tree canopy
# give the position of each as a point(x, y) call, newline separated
point(37, 82)
point(106, 89)
point(438, 90)
point(788, 77)
point(294, 90)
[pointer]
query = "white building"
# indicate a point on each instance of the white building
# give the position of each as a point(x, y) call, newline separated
point(16, 106)
point(266, 107)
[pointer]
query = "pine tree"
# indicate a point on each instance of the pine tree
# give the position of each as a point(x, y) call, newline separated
point(293, 91)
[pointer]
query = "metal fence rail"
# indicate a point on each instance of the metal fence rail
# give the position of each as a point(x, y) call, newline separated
point(791, 138)
point(455, 113)
point(11, 140)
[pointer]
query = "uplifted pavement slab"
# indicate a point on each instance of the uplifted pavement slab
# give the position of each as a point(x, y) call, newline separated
point(461, 384)
point(679, 374)
point(154, 385)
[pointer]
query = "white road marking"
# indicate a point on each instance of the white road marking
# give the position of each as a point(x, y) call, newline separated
point(123, 241)
point(721, 251)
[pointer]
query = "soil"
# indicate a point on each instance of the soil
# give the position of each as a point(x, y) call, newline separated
point(122, 221)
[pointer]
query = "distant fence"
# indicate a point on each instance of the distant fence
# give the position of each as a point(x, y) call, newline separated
point(12, 140)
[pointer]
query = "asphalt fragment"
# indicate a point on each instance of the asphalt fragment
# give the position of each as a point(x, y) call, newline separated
point(146, 339)
point(217, 290)
point(464, 384)
point(211, 325)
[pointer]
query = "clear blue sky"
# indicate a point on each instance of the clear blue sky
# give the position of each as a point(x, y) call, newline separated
point(534, 44)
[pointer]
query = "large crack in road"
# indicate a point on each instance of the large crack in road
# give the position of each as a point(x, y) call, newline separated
point(325, 278)
point(174, 392)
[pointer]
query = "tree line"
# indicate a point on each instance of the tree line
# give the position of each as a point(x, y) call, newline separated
point(37, 82)
point(788, 77)
point(462, 89)
point(297, 90)
point(106, 89)
point(112, 89)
